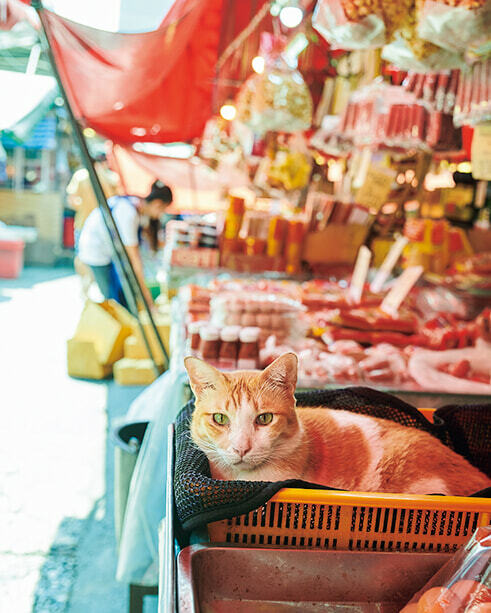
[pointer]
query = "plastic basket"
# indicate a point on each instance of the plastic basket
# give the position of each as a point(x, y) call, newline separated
point(11, 258)
point(320, 519)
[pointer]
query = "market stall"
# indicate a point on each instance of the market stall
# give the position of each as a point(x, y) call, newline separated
point(354, 231)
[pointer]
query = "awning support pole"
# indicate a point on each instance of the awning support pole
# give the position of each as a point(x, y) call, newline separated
point(131, 286)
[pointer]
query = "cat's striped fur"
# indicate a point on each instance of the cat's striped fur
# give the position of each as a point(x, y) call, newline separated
point(336, 448)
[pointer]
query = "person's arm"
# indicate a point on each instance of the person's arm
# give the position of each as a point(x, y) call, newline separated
point(136, 261)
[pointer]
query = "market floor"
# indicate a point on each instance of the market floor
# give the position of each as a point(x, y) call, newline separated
point(57, 546)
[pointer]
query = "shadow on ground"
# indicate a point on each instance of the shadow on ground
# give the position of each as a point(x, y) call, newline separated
point(78, 575)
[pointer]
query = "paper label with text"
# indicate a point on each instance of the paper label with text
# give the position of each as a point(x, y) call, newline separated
point(481, 152)
point(401, 289)
point(376, 188)
point(388, 264)
point(360, 273)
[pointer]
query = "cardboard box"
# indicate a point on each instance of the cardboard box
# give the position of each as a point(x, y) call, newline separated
point(163, 324)
point(195, 258)
point(336, 244)
point(125, 318)
point(134, 372)
point(98, 326)
point(83, 361)
point(134, 349)
point(240, 262)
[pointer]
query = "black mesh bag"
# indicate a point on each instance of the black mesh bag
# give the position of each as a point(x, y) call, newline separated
point(199, 499)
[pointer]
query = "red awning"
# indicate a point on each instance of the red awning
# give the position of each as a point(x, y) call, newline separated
point(13, 11)
point(156, 86)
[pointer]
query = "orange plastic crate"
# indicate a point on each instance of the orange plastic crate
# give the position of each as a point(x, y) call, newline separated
point(323, 519)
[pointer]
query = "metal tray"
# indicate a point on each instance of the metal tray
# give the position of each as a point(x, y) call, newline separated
point(252, 580)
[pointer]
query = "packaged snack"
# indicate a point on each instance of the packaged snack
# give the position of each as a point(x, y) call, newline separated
point(278, 99)
point(455, 25)
point(249, 349)
point(350, 24)
point(209, 344)
point(229, 347)
point(463, 584)
point(273, 314)
point(409, 52)
point(194, 337)
point(473, 99)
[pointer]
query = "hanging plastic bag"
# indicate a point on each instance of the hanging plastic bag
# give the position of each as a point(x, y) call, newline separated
point(456, 25)
point(138, 552)
point(350, 24)
point(278, 100)
point(409, 52)
point(430, 369)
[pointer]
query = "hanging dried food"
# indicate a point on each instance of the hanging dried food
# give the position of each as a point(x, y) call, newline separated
point(350, 24)
point(457, 25)
point(278, 100)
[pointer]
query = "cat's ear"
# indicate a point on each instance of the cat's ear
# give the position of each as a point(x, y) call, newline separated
point(282, 373)
point(202, 375)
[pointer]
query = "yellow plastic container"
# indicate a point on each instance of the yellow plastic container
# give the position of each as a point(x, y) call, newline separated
point(322, 519)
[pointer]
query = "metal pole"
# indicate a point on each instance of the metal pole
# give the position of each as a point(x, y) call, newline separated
point(128, 277)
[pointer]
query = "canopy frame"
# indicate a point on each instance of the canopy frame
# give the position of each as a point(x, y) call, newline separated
point(131, 286)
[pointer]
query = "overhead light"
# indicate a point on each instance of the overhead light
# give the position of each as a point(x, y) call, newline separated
point(258, 64)
point(291, 16)
point(228, 112)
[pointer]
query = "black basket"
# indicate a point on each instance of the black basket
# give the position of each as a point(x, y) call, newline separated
point(200, 499)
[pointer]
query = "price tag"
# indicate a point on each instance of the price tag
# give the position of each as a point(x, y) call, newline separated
point(481, 152)
point(401, 289)
point(376, 188)
point(388, 264)
point(360, 273)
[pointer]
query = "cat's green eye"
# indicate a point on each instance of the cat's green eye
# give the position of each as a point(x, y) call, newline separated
point(264, 419)
point(221, 419)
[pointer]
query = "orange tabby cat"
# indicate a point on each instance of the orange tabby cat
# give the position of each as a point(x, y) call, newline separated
point(247, 425)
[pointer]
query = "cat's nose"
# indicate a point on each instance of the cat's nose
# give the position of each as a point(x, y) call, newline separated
point(241, 451)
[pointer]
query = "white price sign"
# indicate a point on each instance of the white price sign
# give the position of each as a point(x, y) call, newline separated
point(401, 289)
point(360, 273)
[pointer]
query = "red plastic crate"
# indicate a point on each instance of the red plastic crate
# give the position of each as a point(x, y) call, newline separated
point(11, 259)
point(68, 233)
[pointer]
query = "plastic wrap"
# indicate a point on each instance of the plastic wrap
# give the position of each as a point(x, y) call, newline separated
point(473, 99)
point(427, 368)
point(138, 554)
point(278, 100)
point(412, 53)
point(463, 584)
point(274, 315)
point(456, 25)
point(350, 24)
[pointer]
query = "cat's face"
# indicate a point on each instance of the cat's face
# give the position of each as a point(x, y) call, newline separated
point(244, 420)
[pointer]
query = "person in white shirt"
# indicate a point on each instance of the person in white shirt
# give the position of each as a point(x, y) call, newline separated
point(95, 249)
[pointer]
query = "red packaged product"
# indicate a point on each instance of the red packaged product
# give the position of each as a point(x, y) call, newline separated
point(369, 318)
point(419, 122)
point(441, 89)
point(418, 89)
point(462, 584)
point(429, 87)
point(409, 82)
point(434, 128)
point(451, 94)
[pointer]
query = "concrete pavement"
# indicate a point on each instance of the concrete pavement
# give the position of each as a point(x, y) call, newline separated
point(57, 547)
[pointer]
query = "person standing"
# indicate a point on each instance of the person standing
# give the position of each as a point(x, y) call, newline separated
point(95, 249)
point(81, 198)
